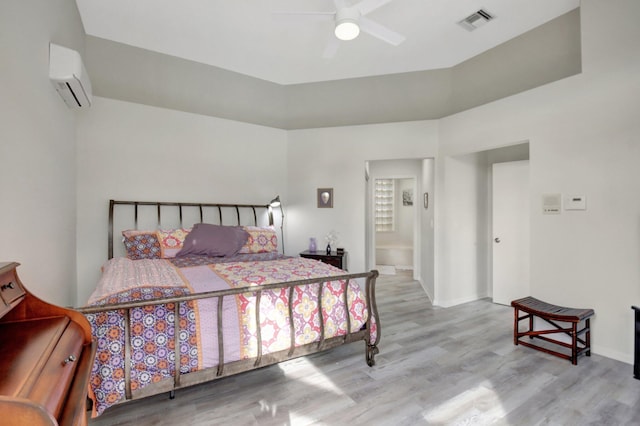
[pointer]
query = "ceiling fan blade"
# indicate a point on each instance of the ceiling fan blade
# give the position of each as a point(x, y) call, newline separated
point(380, 31)
point(331, 49)
point(367, 6)
point(307, 16)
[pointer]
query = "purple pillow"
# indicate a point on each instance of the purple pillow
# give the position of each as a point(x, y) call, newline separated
point(213, 240)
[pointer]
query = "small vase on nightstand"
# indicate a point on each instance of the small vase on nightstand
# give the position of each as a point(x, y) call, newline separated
point(328, 248)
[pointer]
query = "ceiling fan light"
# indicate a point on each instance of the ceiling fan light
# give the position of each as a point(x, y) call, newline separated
point(347, 29)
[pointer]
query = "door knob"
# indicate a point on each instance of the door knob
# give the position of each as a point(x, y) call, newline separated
point(497, 240)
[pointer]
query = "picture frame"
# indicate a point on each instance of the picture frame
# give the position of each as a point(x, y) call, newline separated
point(407, 197)
point(324, 198)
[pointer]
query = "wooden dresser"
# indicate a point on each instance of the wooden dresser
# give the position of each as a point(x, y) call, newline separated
point(46, 358)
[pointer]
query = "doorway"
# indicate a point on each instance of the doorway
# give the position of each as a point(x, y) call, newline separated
point(469, 241)
point(394, 219)
point(510, 227)
point(412, 244)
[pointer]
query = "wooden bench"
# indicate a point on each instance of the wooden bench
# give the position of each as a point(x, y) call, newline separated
point(553, 314)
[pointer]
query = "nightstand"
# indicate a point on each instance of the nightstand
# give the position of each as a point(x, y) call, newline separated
point(335, 259)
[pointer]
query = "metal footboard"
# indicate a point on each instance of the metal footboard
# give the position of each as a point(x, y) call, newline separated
point(225, 368)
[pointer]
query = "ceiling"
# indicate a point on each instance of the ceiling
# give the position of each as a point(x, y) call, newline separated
point(244, 36)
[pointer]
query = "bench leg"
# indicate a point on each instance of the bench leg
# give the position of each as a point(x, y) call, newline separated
point(587, 338)
point(574, 343)
point(515, 326)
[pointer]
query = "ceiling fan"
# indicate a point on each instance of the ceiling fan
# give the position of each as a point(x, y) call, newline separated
point(349, 21)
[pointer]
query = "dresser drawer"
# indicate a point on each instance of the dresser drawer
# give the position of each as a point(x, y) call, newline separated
point(56, 376)
point(37, 386)
point(10, 292)
point(26, 352)
point(34, 366)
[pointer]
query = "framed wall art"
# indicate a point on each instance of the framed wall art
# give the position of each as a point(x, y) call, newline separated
point(325, 198)
point(407, 197)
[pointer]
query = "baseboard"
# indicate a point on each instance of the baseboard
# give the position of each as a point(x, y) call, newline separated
point(454, 302)
point(404, 267)
point(618, 356)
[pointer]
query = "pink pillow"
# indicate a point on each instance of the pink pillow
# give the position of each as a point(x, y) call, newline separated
point(261, 240)
point(171, 240)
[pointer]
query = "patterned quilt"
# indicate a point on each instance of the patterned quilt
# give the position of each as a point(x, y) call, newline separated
point(152, 330)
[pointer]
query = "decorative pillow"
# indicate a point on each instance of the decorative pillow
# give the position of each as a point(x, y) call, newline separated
point(142, 244)
point(171, 241)
point(213, 240)
point(261, 240)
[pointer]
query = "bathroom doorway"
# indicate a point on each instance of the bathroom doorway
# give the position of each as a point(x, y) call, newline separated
point(394, 224)
point(407, 244)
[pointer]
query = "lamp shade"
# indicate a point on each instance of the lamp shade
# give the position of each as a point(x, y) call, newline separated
point(275, 202)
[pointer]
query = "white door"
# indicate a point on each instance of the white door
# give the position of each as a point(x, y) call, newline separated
point(510, 231)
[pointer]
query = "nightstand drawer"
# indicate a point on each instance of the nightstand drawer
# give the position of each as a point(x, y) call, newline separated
point(333, 259)
point(337, 262)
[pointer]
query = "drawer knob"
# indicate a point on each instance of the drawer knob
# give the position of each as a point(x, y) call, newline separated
point(71, 358)
point(6, 286)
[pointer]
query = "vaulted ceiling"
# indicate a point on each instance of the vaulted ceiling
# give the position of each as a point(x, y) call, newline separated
point(248, 37)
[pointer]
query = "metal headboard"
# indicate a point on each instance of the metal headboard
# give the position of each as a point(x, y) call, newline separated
point(219, 214)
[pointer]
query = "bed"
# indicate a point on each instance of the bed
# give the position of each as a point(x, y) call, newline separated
point(240, 303)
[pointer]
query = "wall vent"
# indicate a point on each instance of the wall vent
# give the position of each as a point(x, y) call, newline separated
point(476, 20)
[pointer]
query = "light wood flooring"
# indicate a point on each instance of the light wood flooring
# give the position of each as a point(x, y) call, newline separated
point(454, 366)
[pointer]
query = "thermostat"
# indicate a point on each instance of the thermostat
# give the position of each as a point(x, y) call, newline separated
point(575, 202)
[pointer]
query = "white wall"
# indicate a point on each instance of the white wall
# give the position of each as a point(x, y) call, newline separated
point(583, 133)
point(335, 158)
point(130, 151)
point(38, 213)
point(464, 204)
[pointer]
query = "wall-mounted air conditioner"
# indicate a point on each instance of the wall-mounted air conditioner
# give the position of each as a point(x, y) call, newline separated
point(69, 77)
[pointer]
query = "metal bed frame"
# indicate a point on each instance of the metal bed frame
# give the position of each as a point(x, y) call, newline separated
point(225, 369)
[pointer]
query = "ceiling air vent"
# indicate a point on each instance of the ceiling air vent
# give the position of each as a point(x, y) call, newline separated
point(476, 20)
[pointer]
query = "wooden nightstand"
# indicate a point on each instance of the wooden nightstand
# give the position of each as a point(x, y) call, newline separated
point(335, 259)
